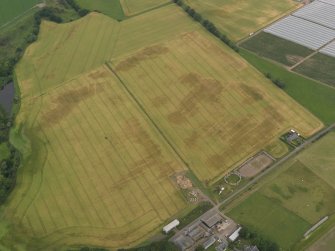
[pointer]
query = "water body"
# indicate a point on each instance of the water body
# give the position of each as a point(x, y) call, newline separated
point(7, 97)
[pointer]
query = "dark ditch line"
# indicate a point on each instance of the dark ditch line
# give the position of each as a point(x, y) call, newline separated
point(148, 116)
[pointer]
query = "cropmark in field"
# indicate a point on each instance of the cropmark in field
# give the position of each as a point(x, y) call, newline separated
point(100, 142)
point(215, 109)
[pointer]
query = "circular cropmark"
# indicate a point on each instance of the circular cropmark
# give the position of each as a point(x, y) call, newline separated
point(233, 178)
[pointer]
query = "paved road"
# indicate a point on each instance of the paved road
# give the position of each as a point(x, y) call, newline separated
point(216, 208)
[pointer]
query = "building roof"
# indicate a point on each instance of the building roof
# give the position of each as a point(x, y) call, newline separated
point(212, 221)
point(183, 242)
point(171, 226)
point(197, 233)
point(223, 245)
point(251, 248)
point(235, 235)
point(209, 242)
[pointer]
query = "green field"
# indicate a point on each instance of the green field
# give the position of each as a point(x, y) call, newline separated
point(270, 220)
point(315, 97)
point(132, 7)
point(109, 109)
point(277, 49)
point(4, 152)
point(320, 67)
point(10, 9)
point(239, 18)
point(111, 8)
point(298, 197)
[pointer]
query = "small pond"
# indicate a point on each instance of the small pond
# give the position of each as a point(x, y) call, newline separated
point(7, 97)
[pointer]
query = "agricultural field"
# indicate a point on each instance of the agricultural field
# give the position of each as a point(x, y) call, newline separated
point(300, 196)
point(112, 8)
point(10, 9)
point(320, 67)
point(59, 56)
point(238, 19)
point(276, 48)
point(104, 170)
point(133, 7)
point(207, 101)
point(111, 110)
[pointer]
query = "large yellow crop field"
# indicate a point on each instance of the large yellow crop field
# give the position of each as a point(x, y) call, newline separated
point(104, 171)
point(215, 108)
point(111, 110)
point(239, 18)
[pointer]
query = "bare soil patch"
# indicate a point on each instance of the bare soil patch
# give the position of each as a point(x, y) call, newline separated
point(255, 165)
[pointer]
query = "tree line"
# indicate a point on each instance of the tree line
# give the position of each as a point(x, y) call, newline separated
point(8, 166)
point(81, 12)
point(208, 25)
point(276, 81)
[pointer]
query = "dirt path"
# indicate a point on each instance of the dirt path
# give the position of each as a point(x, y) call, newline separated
point(311, 55)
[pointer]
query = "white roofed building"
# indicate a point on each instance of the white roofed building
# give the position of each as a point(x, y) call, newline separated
point(171, 226)
point(234, 236)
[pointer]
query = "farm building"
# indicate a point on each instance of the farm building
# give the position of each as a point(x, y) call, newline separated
point(212, 221)
point(234, 236)
point(251, 248)
point(170, 226)
point(209, 242)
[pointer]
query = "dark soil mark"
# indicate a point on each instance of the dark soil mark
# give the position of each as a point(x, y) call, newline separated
point(201, 90)
point(98, 74)
point(142, 55)
point(192, 140)
point(253, 93)
point(66, 101)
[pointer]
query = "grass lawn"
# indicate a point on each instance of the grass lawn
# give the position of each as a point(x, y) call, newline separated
point(10, 9)
point(320, 67)
point(301, 191)
point(111, 8)
point(270, 219)
point(239, 18)
point(277, 49)
point(315, 97)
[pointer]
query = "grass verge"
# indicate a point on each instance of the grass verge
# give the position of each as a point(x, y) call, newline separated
point(315, 97)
